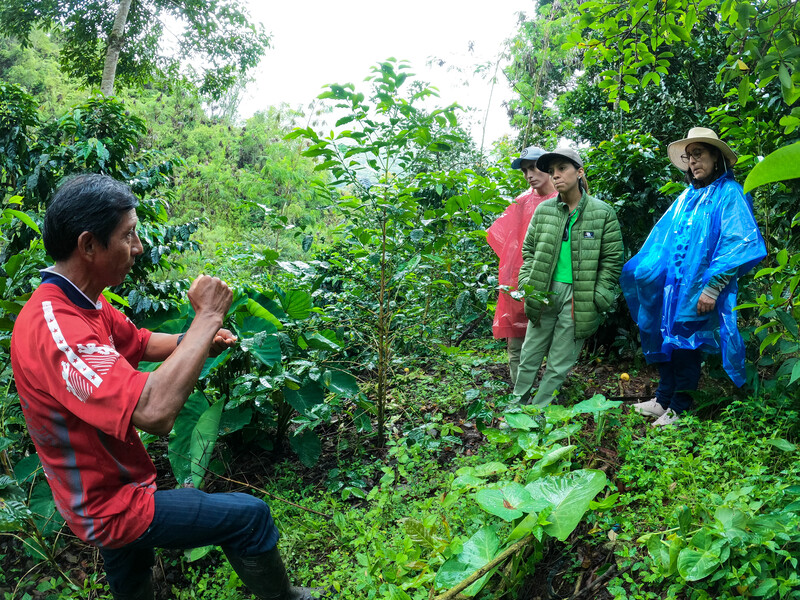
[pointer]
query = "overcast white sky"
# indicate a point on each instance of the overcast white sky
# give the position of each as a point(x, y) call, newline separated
point(315, 43)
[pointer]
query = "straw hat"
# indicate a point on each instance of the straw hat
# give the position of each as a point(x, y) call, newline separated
point(698, 134)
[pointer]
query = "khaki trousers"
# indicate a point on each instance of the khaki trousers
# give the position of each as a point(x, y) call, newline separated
point(554, 337)
point(514, 351)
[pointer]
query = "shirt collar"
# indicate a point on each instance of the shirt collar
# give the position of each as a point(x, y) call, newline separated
point(72, 291)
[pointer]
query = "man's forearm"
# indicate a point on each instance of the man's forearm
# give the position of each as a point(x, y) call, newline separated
point(169, 386)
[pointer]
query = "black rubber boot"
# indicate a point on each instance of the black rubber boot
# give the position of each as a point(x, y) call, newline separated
point(265, 576)
point(143, 592)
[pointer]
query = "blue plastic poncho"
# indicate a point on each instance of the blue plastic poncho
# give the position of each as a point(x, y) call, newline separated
point(706, 232)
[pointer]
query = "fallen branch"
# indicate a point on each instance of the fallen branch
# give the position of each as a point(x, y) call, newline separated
point(589, 590)
point(497, 560)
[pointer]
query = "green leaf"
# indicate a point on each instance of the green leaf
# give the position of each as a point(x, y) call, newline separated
point(255, 309)
point(570, 495)
point(477, 551)
point(307, 447)
point(181, 436)
point(204, 438)
point(324, 341)
point(23, 217)
point(509, 502)
point(305, 398)
point(596, 404)
point(340, 382)
point(521, 421)
point(781, 165)
point(297, 304)
point(782, 444)
point(265, 347)
point(235, 419)
point(694, 565)
point(194, 554)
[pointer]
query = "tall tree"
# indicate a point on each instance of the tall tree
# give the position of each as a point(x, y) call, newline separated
point(126, 42)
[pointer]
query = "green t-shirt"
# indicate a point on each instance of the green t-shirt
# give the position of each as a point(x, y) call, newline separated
point(563, 272)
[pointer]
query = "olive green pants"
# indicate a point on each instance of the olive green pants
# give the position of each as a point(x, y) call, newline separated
point(514, 351)
point(554, 337)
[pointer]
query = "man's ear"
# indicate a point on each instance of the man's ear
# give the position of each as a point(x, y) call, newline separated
point(87, 245)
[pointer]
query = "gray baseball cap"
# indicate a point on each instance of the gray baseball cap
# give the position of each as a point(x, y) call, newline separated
point(543, 164)
point(531, 153)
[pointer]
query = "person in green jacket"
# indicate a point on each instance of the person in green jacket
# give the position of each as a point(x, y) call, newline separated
point(573, 254)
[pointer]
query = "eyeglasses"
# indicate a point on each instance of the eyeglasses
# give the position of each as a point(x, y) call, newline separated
point(696, 154)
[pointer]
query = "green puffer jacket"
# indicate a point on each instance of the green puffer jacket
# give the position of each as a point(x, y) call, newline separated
point(596, 258)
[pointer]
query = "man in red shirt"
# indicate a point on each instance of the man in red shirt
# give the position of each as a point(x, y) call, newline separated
point(74, 359)
point(505, 236)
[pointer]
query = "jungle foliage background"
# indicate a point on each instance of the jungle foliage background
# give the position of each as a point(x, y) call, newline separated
point(367, 401)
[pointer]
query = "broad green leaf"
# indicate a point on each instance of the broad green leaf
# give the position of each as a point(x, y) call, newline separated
point(596, 404)
point(204, 438)
point(324, 340)
point(340, 382)
point(264, 346)
point(467, 481)
point(194, 554)
point(781, 165)
point(477, 551)
point(509, 502)
point(525, 527)
point(255, 309)
point(521, 421)
point(297, 304)
point(24, 218)
point(570, 495)
point(489, 469)
point(27, 467)
point(694, 565)
point(782, 444)
point(235, 419)
point(307, 446)
point(181, 436)
point(305, 398)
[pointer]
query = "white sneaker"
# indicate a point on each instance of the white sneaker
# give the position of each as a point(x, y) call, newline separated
point(668, 418)
point(651, 408)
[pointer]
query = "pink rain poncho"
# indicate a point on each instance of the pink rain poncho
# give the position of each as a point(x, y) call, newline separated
point(706, 232)
point(505, 236)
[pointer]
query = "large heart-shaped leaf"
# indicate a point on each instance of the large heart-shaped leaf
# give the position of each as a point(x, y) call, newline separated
point(477, 551)
point(509, 502)
point(340, 382)
point(595, 404)
point(307, 446)
point(181, 436)
point(570, 495)
point(204, 438)
point(305, 398)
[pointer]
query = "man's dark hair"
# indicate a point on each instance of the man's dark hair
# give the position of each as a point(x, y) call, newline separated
point(93, 203)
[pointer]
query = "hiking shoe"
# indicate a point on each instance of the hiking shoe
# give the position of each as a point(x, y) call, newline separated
point(668, 418)
point(651, 408)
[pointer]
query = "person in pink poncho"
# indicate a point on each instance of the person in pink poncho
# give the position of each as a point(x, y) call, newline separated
point(505, 236)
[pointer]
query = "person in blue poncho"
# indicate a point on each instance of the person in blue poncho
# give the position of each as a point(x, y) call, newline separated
point(681, 287)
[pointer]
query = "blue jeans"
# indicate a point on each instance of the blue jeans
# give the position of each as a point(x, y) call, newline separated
point(189, 518)
point(679, 375)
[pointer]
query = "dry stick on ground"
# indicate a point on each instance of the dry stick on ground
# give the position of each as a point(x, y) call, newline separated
point(588, 591)
point(453, 592)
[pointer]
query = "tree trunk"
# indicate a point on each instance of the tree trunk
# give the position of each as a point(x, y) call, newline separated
point(115, 39)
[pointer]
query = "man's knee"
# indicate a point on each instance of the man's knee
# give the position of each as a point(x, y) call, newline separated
point(259, 533)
